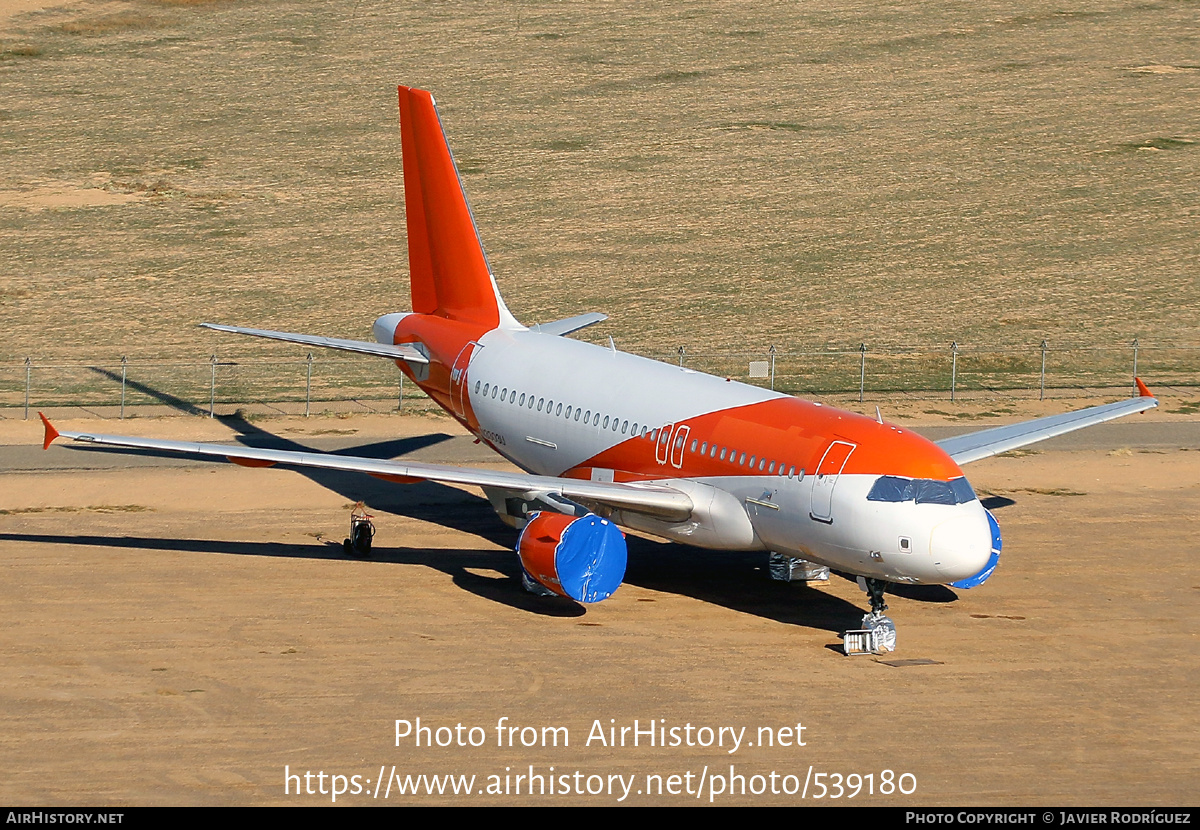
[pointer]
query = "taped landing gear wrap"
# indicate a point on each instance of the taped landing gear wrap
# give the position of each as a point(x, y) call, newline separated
point(582, 558)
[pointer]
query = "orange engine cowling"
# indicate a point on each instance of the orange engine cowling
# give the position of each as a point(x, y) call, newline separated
point(578, 557)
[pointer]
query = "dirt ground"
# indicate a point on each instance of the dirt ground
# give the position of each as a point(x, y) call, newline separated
point(185, 634)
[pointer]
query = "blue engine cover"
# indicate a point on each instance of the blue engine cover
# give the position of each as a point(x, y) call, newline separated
point(591, 559)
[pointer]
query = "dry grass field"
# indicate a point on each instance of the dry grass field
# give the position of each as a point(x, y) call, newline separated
point(716, 175)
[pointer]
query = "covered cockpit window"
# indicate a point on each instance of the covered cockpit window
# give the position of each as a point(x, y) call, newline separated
point(963, 492)
point(933, 492)
point(891, 488)
point(921, 490)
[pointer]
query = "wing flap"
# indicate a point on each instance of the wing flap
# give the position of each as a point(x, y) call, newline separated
point(397, 352)
point(988, 442)
point(652, 499)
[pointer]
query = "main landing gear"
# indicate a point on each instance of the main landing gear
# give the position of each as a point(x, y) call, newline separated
point(878, 632)
point(362, 531)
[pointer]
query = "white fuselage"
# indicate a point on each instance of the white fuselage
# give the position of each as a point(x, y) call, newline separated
point(556, 406)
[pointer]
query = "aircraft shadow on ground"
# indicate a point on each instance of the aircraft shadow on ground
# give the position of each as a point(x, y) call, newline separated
point(996, 502)
point(166, 398)
point(459, 564)
point(735, 581)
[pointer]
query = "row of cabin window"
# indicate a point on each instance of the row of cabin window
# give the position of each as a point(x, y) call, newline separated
point(551, 409)
point(769, 467)
point(654, 435)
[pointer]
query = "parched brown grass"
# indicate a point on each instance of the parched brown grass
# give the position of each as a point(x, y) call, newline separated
point(719, 175)
point(187, 3)
point(22, 50)
point(106, 24)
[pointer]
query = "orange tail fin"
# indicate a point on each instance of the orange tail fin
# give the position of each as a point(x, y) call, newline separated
point(449, 269)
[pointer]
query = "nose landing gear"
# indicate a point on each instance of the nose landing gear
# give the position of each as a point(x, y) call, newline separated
point(878, 632)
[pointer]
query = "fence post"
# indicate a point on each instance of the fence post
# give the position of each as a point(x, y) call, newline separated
point(124, 367)
point(772, 367)
point(28, 367)
point(862, 370)
point(212, 387)
point(308, 385)
point(953, 368)
point(400, 403)
point(1135, 351)
point(1042, 384)
point(682, 350)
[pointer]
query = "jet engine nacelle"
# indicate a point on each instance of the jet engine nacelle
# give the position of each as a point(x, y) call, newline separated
point(581, 557)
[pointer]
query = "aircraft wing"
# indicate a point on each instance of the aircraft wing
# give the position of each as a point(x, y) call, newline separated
point(655, 500)
point(397, 352)
point(988, 442)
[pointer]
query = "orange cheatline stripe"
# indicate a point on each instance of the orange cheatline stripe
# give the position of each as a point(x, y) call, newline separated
point(786, 431)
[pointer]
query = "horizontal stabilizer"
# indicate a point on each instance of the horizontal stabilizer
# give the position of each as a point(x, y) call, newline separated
point(398, 352)
point(655, 500)
point(570, 324)
point(988, 442)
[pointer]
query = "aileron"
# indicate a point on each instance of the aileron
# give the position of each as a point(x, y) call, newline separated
point(988, 442)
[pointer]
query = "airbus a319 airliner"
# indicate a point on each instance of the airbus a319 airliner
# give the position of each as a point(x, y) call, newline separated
point(607, 439)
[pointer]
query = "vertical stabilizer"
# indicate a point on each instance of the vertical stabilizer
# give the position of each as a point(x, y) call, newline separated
point(450, 273)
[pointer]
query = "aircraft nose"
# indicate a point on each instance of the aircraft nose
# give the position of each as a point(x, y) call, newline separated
point(961, 546)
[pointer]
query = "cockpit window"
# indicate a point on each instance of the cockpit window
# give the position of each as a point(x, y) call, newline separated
point(891, 488)
point(963, 492)
point(921, 490)
point(933, 492)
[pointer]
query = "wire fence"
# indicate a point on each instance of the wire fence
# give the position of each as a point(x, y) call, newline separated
point(199, 386)
point(1040, 369)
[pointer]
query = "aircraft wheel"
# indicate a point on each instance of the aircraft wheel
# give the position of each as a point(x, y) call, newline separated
point(361, 539)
